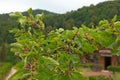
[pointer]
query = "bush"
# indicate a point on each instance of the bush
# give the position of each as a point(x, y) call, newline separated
point(88, 65)
point(11, 57)
point(114, 68)
point(19, 65)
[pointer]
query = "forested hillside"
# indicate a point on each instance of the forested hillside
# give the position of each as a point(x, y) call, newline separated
point(88, 15)
point(7, 23)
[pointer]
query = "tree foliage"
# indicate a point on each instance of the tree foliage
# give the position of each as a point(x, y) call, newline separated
point(56, 56)
point(3, 52)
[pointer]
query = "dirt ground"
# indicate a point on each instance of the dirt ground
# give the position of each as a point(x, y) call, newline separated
point(102, 73)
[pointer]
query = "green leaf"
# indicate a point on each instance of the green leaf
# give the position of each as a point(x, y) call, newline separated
point(16, 14)
point(25, 60)
point(22, 21)
point(55, 39)
point(17, 45)
point(114, 18)
point(87, 47)
point(117, 25)
point(74, 58)
point(50, 60)
point(104, 24)
point(15, 30)
point(30, 11)
point(39, 17)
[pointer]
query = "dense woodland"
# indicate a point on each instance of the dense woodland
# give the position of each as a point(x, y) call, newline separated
point(87, 15)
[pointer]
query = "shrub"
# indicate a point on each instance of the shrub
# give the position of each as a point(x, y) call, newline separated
point(88, 65)
point(114, 68)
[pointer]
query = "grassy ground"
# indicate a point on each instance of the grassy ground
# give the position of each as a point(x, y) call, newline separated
point(116, 76)
point(4, 69)
point(83, 69)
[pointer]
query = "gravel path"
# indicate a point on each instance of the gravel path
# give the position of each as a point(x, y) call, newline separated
point(12, 71)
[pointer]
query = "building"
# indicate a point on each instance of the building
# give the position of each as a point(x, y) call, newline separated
point(101, 59)
point(106, 58)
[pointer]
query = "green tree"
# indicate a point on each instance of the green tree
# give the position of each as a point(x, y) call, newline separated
point(56, 56)
point(3, 52)
point(48, 57)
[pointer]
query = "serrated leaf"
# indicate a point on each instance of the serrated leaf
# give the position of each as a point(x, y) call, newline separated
point(50, 60)
point(15, 30)
point(17, 45)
